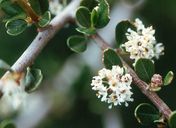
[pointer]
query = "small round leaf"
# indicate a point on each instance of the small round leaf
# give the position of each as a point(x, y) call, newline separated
point(146, 114)
point(145, 69)
point(103, 14)
point(168, 78)
point(16, 27)
point(111, 58)
point(121, 30)
point(45, 20)
point(172, 120)
point(83, 17)
point(33, 79)
point(94, 17)
point(77, 43)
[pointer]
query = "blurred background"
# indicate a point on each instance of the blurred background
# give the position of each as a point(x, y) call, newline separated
point(65, 98)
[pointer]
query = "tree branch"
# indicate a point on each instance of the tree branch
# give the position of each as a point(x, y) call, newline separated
point(31, 53)
point(152, 96)
point(100, 42)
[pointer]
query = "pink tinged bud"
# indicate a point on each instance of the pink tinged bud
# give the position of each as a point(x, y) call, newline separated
point(157, 80)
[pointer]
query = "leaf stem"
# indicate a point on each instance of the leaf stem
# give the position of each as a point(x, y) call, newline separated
point(152, 96)
point(25, 5)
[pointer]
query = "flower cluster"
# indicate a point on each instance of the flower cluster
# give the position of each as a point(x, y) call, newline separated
point(13, 93)
point(54, 6)
point(142, 43)
point(113, 86)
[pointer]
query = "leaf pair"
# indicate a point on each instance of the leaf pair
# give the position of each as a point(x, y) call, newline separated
point(18, 18)
point(145, 70)
point(90, 15)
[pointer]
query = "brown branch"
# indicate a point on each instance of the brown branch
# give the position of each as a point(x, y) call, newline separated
point(152, 96)
point(100, 41)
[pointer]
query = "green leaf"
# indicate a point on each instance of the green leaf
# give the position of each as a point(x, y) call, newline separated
point(103, 14)
point(39, 6)
point(111, 58)
point(168, 78)
point(21, 16)
point(146, 114)
point(172, 120)
point(86, 31)
point(16, 27)
point(145, 69)
point(90, 4)
point(94, 17)
point(45, 20)
point(4, 65)
point(7, 124)
point(121, 30)
point(44, 5)
point(83, 17)
point(77, 43)
point(10, 8)
point(35, 6)
point(33, 79)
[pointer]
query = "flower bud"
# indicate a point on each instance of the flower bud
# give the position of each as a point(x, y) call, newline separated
point(157, 79)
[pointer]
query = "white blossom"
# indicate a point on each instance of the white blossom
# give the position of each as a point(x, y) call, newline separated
point(13, 96)
point(113, 86)
point(55, 6)
point(142, 43)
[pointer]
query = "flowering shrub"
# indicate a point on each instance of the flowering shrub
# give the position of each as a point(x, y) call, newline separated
point(113, 82)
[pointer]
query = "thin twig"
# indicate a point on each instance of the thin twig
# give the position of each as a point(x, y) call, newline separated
point(31, 53)
point(100, 41)
point(154, 98)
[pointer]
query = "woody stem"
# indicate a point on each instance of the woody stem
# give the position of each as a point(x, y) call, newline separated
point(152, 96)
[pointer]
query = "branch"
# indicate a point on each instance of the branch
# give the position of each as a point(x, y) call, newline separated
point(100, 42)
point(31, 53)
point(152, 96)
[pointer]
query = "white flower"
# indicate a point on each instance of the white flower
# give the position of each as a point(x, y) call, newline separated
point(158, 49)
point(55, 7)
point(13, 96)
point(113, 86)
point(142, 43)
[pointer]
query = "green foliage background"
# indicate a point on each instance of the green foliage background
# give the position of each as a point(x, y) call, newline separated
point(86, 111)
